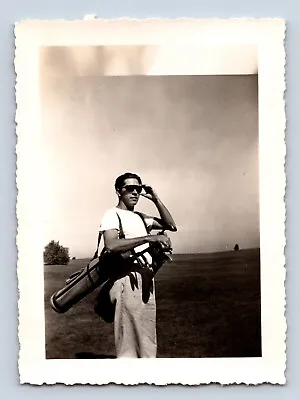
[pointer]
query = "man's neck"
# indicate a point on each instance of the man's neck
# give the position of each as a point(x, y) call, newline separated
point(122, 206)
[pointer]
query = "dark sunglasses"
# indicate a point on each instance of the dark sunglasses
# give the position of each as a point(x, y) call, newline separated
point(131, 188)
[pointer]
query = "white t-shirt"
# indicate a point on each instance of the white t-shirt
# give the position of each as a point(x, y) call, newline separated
point(132, 225)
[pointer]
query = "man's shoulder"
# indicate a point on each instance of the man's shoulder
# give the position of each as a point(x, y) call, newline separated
point(115, 212)
point(109, 220)
point(129, 213)
point(143, 215)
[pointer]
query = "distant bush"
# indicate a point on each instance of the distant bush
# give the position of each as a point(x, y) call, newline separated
point(54, 254)
point(73, 258)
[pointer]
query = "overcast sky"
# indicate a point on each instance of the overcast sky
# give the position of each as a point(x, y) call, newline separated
point(194, 138)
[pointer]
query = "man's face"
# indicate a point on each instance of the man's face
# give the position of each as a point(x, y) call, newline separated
point(130, 192)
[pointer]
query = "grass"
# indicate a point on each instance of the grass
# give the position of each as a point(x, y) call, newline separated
point(208, 305)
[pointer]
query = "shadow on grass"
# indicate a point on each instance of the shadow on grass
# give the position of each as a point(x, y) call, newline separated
point(88, 355)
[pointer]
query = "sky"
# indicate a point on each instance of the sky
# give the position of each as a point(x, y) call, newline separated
point(193, 138)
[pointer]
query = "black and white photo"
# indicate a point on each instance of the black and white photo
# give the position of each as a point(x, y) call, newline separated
point(164, 172)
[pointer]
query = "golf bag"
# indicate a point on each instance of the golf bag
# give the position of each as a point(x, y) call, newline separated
point(102, 271)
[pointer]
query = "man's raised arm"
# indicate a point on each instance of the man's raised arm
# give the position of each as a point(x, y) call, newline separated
point(166, 220)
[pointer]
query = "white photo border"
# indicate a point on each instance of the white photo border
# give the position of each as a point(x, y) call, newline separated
point(196, 36)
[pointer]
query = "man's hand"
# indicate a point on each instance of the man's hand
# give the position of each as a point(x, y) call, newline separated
point(164, 240)
point(149, 193)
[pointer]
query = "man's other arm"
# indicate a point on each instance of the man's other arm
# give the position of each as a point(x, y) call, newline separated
point(114, 244)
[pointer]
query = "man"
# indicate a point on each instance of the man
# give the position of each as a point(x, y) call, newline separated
point(135, 319)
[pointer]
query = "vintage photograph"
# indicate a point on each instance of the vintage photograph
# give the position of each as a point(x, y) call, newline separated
point(181, 150)
point(150, 201)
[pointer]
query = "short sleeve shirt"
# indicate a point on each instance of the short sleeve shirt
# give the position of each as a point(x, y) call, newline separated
point(132, 224)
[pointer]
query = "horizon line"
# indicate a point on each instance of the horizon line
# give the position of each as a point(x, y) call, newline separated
point(192, 253)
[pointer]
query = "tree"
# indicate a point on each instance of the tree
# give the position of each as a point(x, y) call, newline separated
point(54, 253)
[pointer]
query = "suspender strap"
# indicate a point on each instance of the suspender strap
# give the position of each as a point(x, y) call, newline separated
point(143, 219)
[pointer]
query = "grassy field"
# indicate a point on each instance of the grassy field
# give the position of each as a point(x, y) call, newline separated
point(208, 305)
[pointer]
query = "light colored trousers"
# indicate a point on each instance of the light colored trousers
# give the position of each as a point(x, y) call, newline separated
point(135, 322)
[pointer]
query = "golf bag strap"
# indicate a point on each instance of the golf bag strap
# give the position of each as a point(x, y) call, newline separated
point(98, 244)
point(121, 232)
point(121, 236)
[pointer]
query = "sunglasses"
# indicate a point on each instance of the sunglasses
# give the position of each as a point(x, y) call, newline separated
point(131, 188)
